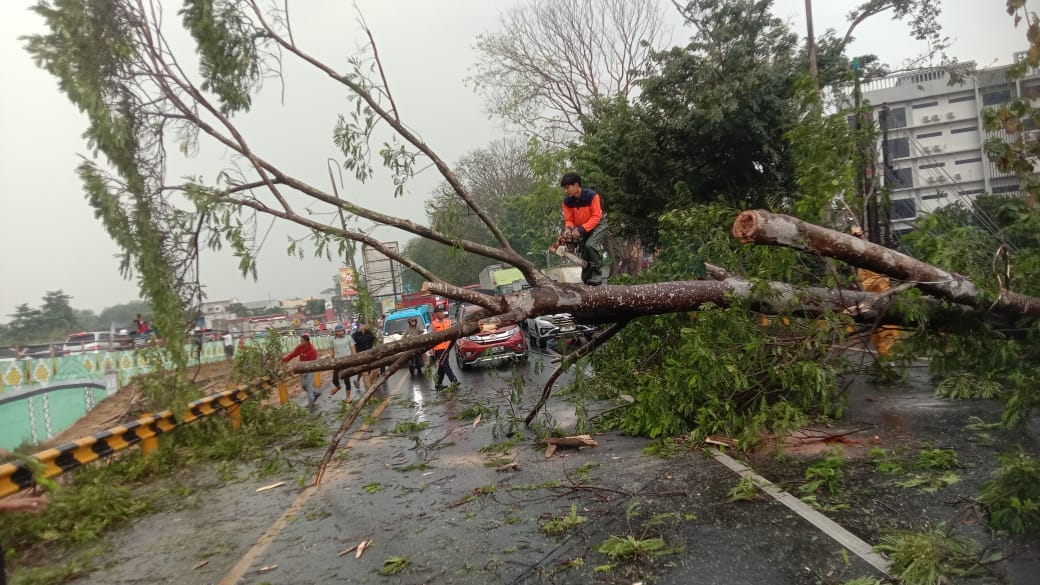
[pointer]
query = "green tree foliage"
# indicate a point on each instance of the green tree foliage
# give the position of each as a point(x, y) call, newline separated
point(996, 243)
point(720, 371)
point(123, 314)
point(91, 50)
point(709, 123)
point(51, 321)
point(314, 307)
point(517, 183)
point(238, 309)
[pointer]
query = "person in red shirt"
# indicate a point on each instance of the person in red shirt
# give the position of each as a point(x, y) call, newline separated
point(307, 353)
point(584, 223)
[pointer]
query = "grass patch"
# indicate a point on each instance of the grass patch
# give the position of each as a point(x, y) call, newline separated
point(559, 525)
point(410, 426)
point(1012, 497)
point(629, 547)
point(372, 488)
point(933, 556)
point(394, 566)
point(745, 490)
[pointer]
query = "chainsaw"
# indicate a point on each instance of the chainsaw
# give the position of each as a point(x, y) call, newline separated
point(567, 248)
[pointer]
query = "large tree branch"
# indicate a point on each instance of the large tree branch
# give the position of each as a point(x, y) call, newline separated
point(530, 271)
point(569, 360)
point(763, 227)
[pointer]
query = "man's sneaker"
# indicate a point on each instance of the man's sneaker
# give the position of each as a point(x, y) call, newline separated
point(317, 395)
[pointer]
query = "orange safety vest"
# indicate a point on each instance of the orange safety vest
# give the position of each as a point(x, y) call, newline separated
point(441, 325)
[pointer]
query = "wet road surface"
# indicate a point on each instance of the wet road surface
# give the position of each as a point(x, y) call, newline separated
point(421, 483)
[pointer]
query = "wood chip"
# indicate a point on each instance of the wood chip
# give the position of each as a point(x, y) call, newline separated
point(347, 551)
point(267, 569)
point(362, 546)
point(720, 441)
point(572, 441)
point(270, 487)
point(550, 450)
point(200, 564)
point(513, 466)
point(476, 421)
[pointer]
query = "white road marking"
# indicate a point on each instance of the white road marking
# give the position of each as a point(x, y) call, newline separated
point(825, 524)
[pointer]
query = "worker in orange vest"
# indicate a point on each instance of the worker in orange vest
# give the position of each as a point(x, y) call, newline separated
point(440, 351)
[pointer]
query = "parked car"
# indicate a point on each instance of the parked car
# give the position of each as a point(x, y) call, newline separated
point(545, 327)
point(396, 322)
point(505, 342)
point(85, 341)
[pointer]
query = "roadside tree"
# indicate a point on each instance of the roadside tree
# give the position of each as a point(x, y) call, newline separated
point(114, 60)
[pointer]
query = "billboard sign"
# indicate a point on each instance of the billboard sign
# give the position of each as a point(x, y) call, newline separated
point(382, 275)
point(346, 283)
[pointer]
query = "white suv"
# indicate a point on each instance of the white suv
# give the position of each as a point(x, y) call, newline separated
point(88, 341)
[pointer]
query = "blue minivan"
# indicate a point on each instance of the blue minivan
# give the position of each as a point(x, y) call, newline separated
point(396, 322)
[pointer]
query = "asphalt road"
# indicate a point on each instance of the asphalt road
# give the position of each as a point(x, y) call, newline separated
point(433, 496)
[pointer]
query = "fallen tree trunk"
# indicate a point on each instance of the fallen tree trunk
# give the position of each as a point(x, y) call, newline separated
point(763, 227)
point(613, 304)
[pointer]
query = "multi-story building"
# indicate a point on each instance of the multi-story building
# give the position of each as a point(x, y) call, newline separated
point(935, 137)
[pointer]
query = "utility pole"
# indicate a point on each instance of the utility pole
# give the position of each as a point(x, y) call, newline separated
point(811, 45)
point(866, 169)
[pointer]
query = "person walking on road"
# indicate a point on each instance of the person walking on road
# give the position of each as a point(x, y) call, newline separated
point(307, 353)
point(415, 365)
point(364, 340)
point(229, 346)
point(440, 351)
point(342, 345)
point(584, 223)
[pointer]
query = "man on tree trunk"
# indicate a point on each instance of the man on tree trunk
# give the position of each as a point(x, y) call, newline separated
point(583, 223)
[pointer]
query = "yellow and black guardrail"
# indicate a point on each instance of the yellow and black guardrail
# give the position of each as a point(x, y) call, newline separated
point(145, 431)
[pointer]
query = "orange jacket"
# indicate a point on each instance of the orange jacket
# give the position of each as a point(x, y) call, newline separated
point(583, 212)
point(440, 325)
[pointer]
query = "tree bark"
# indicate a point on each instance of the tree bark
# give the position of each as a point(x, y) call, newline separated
point(763, 227)
point(613, 304)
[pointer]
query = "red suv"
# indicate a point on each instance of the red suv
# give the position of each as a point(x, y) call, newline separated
point(506, 342)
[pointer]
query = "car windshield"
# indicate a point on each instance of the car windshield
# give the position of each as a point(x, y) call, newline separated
point(395, 326)
point(82, 338)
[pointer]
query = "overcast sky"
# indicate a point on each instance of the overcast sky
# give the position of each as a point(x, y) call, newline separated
point(50, 239)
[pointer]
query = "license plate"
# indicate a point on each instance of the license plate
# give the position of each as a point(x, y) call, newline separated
point(498, 349)
point(567, 328)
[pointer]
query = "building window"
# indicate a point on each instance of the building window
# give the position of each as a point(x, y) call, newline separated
point(933, 196)
point(972, 192)
point(963, 130)
point(963, 98)
point(894, 118)
point(899, 178)
point(933, 165)
point(924, 105)
point(1006, 189)
point(929, 135)
point(993, 98)
point(968, 161)
point(903, 209)
point(899, 148)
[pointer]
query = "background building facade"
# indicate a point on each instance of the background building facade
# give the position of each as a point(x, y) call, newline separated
point(932, 143)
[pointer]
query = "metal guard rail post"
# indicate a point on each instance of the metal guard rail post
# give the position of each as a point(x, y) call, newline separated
point(15, 477)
